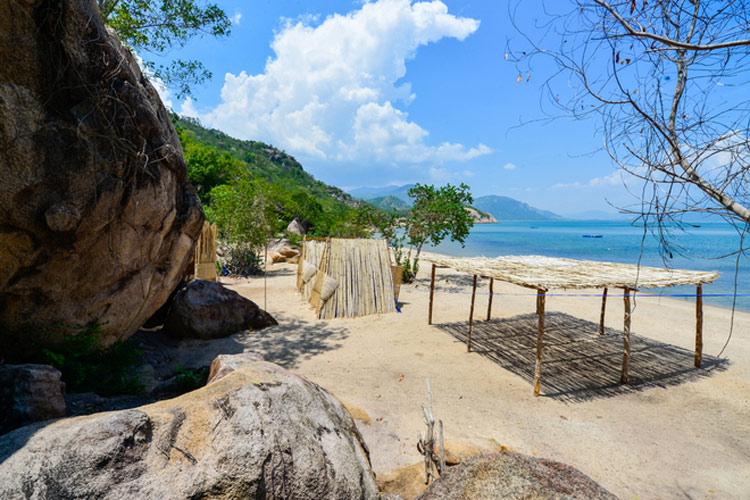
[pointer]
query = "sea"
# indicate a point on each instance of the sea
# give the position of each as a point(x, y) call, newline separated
point(707, 246)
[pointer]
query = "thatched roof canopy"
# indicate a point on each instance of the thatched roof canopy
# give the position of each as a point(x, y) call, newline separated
point(546, 273)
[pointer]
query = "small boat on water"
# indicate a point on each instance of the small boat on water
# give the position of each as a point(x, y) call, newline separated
point(593, 236)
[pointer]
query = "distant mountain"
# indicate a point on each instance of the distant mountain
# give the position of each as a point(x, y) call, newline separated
point(504, 208)
point(389, 202)
point(368, 193)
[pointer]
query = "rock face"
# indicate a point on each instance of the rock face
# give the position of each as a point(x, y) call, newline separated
point(481, 217)
point(208, 310)
point(97, 219)
point(512, 475)
point(259, 432)
point(29, 393)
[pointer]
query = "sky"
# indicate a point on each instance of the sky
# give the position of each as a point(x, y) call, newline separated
point(392, 92)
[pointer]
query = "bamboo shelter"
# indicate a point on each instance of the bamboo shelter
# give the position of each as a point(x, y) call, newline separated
point(346, 277)
point(545, 273)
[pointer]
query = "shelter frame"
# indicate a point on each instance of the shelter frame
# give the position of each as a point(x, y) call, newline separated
point(590, 275)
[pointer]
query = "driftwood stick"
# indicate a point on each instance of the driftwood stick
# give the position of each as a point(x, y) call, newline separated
point(626, 338)
point(540, 299)
point(604, 308)
point(426, 443)
point(471, 314)
point(699, 326)
point(489, 303)
point(432, 294)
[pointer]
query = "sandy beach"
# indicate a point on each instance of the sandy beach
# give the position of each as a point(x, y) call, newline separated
point(673, 432)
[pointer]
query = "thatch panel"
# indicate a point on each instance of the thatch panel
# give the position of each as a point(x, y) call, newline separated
point(548, 273)
point(362, 269)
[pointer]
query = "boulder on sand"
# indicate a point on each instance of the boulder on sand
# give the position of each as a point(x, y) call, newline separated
point(29, 393)
point(208, 310)
point(97, 218)
point(258, 432)
point(512, 475)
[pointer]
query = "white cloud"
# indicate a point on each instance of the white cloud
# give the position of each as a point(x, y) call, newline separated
point(613, 179)
point(236, 18)
point(509, 166)
point(330, 91)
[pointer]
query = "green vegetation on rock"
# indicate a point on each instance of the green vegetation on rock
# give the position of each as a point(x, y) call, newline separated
point(252, 190)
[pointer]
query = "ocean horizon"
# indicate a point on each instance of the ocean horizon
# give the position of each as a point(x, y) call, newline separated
point(705, 247)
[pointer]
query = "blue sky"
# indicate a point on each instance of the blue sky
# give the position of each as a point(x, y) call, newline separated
point(392, 92)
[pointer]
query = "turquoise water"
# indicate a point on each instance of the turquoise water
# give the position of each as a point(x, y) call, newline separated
point(620, 242)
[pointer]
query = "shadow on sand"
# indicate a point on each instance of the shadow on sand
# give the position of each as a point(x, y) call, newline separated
point(579, 364)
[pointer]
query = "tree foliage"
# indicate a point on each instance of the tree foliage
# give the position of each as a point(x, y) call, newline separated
point(156, 26)
point(438, 213)
point(667, 81)
point(252, 191)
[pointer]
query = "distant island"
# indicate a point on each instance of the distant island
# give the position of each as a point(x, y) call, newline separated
point(499, 208)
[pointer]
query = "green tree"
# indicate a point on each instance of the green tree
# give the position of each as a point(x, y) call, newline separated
point(246, 212)
point(207, 166)
point(436, 213)
point(156, 26)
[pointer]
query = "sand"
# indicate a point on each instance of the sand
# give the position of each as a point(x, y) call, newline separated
point(673, 432)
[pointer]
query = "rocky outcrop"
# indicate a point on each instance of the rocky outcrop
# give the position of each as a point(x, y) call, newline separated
point(29, 393)
point(208, 310)
point(481, 217)
point(97, 219)
point(258, 432)
point(512, 475)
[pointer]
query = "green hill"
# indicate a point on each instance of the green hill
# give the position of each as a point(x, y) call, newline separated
point(504, 208)
point(265, 161)
point(390, 203)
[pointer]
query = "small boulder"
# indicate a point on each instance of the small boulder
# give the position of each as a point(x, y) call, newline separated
point(208, 310)
point(296, 227)
point(276, 257)
point(512, 475)
point(224, 364)
point(288, 252)
point(29, 393)
point(259, 432)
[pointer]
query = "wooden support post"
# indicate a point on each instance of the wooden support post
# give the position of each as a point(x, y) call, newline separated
point(699, 325)
point(432, 294)
point(489, 303)
point(538, 369)
point(604, 308)
point(471, 314)
point(626, 338)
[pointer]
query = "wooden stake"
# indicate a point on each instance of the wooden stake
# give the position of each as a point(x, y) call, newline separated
point(471, 314)
point(626, 338)
point(699, 325)
point(604, 308)
point(489, 304)
point(432, 294)
point(540, 298)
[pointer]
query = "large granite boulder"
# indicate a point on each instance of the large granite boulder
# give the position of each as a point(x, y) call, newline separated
point(512, 475)
point(29, 393)
point(208, 310)
point(97, 219)
point(258, 432)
